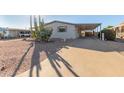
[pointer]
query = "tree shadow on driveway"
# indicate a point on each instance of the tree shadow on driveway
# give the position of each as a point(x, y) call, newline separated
point(55, 61)
point(35, 60)
point(54, 58)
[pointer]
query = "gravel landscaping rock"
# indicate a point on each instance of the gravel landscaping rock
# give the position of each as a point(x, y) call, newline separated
point(16, 55)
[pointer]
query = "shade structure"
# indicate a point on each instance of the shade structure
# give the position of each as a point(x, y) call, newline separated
point(88, 26)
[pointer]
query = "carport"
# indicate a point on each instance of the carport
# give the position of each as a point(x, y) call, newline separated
point(88, 29)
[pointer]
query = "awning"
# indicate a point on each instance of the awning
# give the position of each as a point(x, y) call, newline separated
point(88, 26)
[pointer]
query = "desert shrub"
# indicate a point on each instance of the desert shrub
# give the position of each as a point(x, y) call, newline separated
point(40, 33)
point(45, 35)
point(109, 34)
point(0, 35)
point(33, 34)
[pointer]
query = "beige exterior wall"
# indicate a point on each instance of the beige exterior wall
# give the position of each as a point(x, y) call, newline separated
point(71, 32)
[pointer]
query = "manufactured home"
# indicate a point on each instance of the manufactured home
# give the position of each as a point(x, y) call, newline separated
point(65, 30)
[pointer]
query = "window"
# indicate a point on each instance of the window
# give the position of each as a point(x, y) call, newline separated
point(62, 29)
point(21, 32)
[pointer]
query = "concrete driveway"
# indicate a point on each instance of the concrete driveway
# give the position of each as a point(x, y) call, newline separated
point(84, 57)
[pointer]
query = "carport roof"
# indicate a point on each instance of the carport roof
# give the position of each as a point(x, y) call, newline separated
point(86, 26)
point(17, 29)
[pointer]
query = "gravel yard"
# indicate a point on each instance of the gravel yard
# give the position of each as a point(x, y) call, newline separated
point(17, 56)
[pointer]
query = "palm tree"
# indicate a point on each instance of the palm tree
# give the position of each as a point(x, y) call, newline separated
point(40, 32)
point(31, 23)
point(35, 23)
point(41, 24)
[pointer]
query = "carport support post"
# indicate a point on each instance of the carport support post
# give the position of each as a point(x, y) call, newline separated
point(97, 32)
point(100, 33)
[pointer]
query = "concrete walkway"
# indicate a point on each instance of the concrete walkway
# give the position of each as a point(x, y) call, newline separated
point(83, 57)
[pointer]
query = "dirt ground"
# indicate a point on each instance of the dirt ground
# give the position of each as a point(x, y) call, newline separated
point(17, 56)
point(80, 57)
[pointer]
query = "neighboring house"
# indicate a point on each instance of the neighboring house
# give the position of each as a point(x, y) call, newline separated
point(2, 31)
point(65, 30)
point(15, 32)
point(119, 30)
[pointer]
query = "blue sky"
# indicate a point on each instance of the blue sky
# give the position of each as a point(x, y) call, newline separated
point(22, 21)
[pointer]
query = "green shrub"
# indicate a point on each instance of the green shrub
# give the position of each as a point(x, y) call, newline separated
point(33, 34)
point(109, 34)
point(0, 35)
point(45, 35)
point(40, 33)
